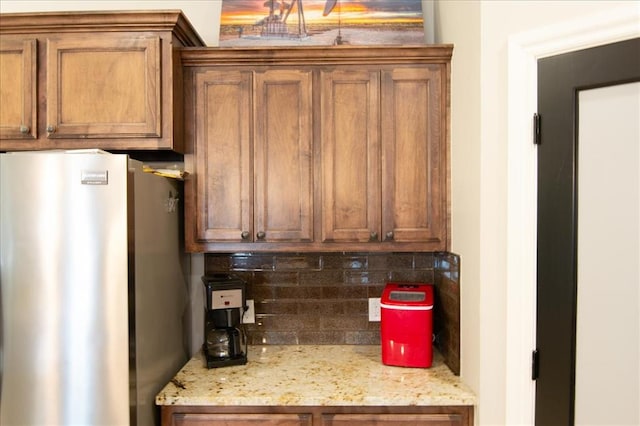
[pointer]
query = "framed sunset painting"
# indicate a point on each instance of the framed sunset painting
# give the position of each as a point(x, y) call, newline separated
point(321, 22)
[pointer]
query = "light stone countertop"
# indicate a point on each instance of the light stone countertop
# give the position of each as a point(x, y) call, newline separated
point(315, 375)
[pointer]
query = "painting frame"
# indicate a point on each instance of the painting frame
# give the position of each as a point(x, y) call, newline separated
point(325, 22)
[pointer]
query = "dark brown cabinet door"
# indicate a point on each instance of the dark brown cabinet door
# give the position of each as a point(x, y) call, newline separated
point(241, 419)
point(253, 158)
point(103, 87)
point(283, 178)
point(394, 419)
point(350, 153)
point(223, 156)
point(384, 164)
point(414, 156)
point(18, 100)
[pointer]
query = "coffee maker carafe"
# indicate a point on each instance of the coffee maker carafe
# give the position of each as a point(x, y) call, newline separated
point(225, 341)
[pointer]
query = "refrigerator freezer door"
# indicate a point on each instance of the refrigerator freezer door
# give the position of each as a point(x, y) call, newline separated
point(63, 277)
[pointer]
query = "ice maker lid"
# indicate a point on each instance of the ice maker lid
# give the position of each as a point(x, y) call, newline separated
point(407, 295)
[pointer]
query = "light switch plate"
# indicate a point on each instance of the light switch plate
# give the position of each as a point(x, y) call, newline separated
point(249, 316)
point(374, 309)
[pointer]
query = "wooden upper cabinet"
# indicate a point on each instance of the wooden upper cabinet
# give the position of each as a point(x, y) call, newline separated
point(104, 87)
point(253, 180)
point(18, 97)
point(283, 156)
point(414, 156)
point(317, 148)
point(384, 156)
point(224, 157)
point(350, 151)
point(107, 80)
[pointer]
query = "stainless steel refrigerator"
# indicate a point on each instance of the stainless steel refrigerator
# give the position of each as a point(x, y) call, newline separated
point(92, 288)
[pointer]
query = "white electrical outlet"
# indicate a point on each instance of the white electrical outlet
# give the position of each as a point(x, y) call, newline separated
point(374, 309)
point(249, 316)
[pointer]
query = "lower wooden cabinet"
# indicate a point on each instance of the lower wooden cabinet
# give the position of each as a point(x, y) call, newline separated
point(317, 416)
point(238, 419)
point(392, 419)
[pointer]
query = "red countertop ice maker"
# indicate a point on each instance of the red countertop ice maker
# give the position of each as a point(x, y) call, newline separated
point(406, 324)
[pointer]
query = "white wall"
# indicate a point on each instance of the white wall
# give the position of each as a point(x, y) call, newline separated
point(458, 22)
point(480, 32)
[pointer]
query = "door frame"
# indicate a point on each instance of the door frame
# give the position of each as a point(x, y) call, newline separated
point(562, 79)
point(524, 50)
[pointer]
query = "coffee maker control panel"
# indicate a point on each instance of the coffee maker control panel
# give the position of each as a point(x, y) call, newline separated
point(225, 299)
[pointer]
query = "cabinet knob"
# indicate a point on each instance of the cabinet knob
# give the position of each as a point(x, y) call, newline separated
point(389, 235)
point(50, 129)
point(245, 235)
point(24, 129)
point(261, 235)
point(373, 236)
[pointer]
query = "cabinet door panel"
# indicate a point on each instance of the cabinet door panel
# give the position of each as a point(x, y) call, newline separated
point(413, 155)
point(283, 149)
point(392, 419)
point(107, 87)
point(238, 419)
point(223, 155)
point(350, 156)
point(18, 102)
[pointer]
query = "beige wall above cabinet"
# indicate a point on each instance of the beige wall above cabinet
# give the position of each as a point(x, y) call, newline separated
point(315, 149)
point(109, 80)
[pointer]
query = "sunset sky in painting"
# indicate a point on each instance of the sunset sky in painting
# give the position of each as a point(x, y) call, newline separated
point(248, 12)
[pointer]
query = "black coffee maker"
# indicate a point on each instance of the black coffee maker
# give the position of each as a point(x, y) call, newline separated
point(225, 342)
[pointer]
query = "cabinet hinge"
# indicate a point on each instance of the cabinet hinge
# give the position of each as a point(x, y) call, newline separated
point(535, 364)
point(536, 129)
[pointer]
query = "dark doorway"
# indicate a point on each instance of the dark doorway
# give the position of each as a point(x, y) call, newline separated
point(560, 78)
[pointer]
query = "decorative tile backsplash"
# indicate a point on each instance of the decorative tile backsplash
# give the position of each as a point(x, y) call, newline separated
point(322, 298)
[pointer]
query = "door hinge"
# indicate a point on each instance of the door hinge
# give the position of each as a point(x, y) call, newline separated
point(536, 129)
point(535, 364)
